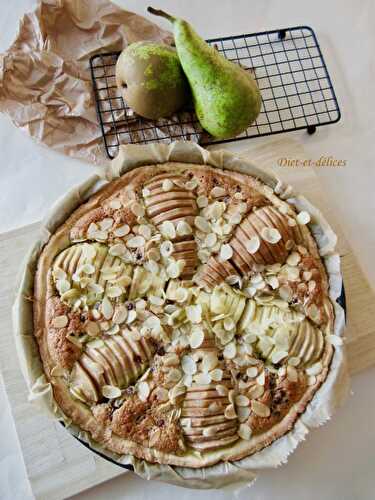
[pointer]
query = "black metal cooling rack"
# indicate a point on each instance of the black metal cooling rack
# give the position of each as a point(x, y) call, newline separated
point(288, 66)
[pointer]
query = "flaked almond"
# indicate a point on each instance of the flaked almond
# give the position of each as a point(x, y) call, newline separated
point(111, 391)
point(203, 256)
point(241, 400)
point(261, 378)
point(107, 308)
point(293, 259)
point(244, 432)
point(202, 201)
point(183, 228)
point(303, 218)
point(167, 185)
point(271, 235)
point(191, 185)
point(222, 390)
point(315, 369)
point(335, 340)
point(143, 390)
point(243, 413)
point(136, 242)
point(202, 378)
point(117, 250)
point(161, 394)
point(210, 240)
point(60, 321)
point(188, 365)
point(294, 361)
point(260, 409)
point(291, 373)
point(226, 252)
point(278, 355)
point(114, 291)
point(209, 361)
point(230, 350)
point(194, 313)
point(63, 286)
point(181, 295)
point(106, 224)
point(132, 315)
point(115, 204)
point(286, 293)
point(145, 231)
point(252, 371)
point(173, 270)
point(217, 374)
point(168, 230)
point(217, 192)
point(255, 391)
point(95, 344)
point(196, 338)
point(202, 224)
point(137, 209)
point(174, 375)
point(230, 412)
point(146, 192)
point(92, 328)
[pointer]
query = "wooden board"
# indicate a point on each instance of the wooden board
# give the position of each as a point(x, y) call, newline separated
point(57, 465)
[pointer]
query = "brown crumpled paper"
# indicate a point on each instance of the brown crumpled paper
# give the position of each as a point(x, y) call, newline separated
point(45, 82)
point(233, 476)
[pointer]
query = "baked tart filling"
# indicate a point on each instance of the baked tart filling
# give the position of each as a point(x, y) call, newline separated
point(183, 316)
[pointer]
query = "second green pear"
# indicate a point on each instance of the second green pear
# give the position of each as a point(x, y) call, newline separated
point(226, 97)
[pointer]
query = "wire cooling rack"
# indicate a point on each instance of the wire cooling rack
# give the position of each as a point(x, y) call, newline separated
point(288, 66)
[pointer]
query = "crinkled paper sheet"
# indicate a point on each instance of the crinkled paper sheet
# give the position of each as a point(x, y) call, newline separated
point(45, 81)
point(230, 475)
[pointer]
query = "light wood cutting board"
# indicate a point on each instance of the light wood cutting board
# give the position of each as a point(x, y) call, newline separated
point(57, 465)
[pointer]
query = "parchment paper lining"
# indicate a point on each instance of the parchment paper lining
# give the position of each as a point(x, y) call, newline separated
point(236, 474)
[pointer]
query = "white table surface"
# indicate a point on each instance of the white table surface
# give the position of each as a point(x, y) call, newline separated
point(337, 461)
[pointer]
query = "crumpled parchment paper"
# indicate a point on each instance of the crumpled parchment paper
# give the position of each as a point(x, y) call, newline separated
point(234, 475)
point(45, 82)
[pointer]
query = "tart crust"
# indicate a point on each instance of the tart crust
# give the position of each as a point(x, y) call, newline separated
point(263, 209)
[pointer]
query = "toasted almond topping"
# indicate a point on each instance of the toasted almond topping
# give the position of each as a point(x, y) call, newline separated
point(209, 361)
point(226, 252)
point(117, 250)
point(59, 274)
point(60, 321)
point(120, 314)
point(270, 234)
point(196, 338)
point(137, 209)
point(115, 204)
point(230, 412)
point(132, 315)
point(252, 371)
point(303, 218)
point(183, 228)
point(92, 328)
point(161, 394)
point(202, 224)
point(202, 378)
point(146, 192)
point(174, 270)
point(202, 201)
point(291, 222)
point(311, 380)
point(192, 184)
point(217, 374)
point(222, 390)
point(181, 295)
point(114, 291)
point(261, 378)
point(294, 361)
point(243, 413)
point(293, 259)
point(217, 192)
point(111, 391)
point(314, 369)
point(277, 356)
point(173, 375)
point(291, 374)
point(95, 344)
point(106, 224)
point(210, 240)
point(242, 400)
point(194, 313)
point(230, 350)
point(255, 391)
point(155, 300)
point(289, 245)
point(335, 340)
point(260, 409)
point(107, 308)
point(113, 330)
point(145, 231)
point(235, 218)
point(252, 245)
point(167, 185)
point(244, 432)
point(143, 390)
point(168, 230)
point(203, 256)
point(286, 293)
point(63, 286)
point(273, 282)
point(188, 365)
point(136, 242)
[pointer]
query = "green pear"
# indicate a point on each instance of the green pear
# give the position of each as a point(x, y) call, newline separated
point(226, 97)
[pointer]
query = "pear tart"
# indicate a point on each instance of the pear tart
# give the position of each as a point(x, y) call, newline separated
point(182, 315)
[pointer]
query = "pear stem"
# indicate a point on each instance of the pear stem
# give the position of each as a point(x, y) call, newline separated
point(160, 13)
